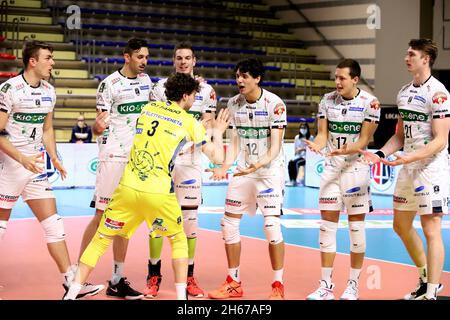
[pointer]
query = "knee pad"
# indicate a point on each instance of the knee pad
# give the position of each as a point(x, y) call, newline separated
point(97, 248)
point(3, 225)
point(178, 242)
point(190, 222)
point(272, 229)
point(53, 229)
point(327, 237)
point(357, 236)
point(230, 229)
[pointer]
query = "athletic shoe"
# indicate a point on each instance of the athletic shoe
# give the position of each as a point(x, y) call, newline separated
point(323, 292)
point(193, 289)
point(351, 292)
point(420, 291)
point(87, 289)
point(152, 288)
point(277, 291)
point(123, 290)
point(229, 289)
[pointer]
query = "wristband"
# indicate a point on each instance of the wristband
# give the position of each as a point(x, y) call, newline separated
point(380, 154)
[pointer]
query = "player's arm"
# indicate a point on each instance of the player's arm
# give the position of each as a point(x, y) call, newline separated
point(367, 131)
point(320, 140)
point(276, 140)
point(214, 150)
point(230, 156)
point(48, 138)
point(394, 144)
point(104, 103)
point(440, 129)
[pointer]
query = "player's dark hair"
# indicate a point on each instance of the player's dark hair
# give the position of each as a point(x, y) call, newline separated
point(184, 45)
point(427, 46)
point(31, 50)
point(179, 84)
point(134, 44)
point(253, 66)
point(353, 65)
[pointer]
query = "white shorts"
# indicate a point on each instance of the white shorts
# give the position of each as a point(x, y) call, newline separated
point(422, 190)
point(108, 177)
point(346, 189)
point(245, 194)
point(188, 184)
point(16, 181)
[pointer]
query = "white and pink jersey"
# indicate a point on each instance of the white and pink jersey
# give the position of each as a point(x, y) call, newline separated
point(124, 99)
point(27, 107)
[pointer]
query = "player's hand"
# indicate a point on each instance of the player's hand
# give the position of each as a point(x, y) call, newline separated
point(244, 171)
point(399, 160)
point(102, 121)
point(218, 173)
point(33, 163)
point(58, 166)
point(339, 152)
point(222, 121)
point(314, 147)
point(369, 157)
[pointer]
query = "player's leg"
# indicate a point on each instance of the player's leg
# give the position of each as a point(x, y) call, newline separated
point(164, 217)
point(355, 187)
point(121, 220)
point(330, 204)
point(405, 209)
point(240, 199)
point(5, 214)
point(432, 205)
point(107, 180)
point(269, 199)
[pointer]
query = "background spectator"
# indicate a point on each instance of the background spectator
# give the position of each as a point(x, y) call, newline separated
point(296, 166)
point(81, 132)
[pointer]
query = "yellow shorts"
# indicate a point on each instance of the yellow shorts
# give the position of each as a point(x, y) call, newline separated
point(129, 207)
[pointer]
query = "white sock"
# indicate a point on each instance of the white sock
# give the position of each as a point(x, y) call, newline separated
point(154, 261)
point(191, 261)
point(74, 289)
point(326, 275)
point(234, 274)
point(3, 225)
point(278, 275)
point(69, 275)
point(117, 272)
point(354, 275)
point(181, 291)
point(431, 290)
point(423, 273)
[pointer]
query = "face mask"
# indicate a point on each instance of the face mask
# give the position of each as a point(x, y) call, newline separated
point(303, 131)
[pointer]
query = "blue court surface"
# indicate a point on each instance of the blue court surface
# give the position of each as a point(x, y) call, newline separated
point(300, 220)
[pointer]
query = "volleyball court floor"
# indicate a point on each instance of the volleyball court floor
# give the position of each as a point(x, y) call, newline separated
point(27, 271)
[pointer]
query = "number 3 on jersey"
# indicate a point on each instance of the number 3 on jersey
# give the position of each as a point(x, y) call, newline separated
point(155, 125)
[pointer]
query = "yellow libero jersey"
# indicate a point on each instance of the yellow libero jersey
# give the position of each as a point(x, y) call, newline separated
point(161, 131)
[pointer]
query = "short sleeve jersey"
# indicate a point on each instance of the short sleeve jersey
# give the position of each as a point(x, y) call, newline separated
point(123, 98)
point(345, 121)
point(27, 107)
point(161, 131)
point(253, 122)
point(418, 106)
point(205, 102)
